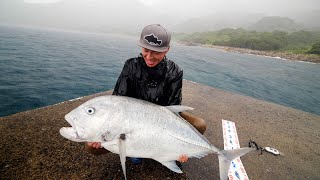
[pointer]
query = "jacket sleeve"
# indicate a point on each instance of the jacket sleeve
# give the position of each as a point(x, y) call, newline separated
point(122, 86)
point(175, 90)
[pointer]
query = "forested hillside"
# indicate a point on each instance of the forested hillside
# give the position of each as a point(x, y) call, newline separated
point(294, 42)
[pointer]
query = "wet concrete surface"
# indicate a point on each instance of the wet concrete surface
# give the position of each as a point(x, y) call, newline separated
point(32, 148)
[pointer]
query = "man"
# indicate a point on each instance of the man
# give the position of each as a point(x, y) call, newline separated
point(152, 77)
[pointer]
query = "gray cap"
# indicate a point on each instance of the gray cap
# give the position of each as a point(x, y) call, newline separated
point(155, 37)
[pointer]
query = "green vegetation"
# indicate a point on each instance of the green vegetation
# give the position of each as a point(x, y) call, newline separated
point(315, 49)
point(299, 42)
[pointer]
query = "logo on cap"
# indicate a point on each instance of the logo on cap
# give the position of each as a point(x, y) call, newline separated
point(153, 40)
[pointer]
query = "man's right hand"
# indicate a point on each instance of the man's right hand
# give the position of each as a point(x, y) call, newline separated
point(96, 145)
point(95, 148)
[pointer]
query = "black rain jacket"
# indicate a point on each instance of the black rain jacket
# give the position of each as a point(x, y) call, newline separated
point(161, 85)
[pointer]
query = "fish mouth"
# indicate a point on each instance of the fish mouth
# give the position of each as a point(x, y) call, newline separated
point(70, 120)
point(71, 133)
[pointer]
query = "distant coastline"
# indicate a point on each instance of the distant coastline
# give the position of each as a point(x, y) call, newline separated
point(283, 55)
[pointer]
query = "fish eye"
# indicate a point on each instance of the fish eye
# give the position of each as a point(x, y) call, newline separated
point(90, 111)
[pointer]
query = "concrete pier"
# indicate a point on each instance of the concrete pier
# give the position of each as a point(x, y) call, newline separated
point(32, 148)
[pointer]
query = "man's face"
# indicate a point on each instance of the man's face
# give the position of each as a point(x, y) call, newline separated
point(153, 58)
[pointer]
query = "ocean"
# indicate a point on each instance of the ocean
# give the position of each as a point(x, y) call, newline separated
point(41, 67)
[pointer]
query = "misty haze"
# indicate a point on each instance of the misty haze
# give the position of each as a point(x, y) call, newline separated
point(129, 16)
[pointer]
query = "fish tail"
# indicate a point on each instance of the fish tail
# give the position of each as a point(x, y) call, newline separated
point(225, 158)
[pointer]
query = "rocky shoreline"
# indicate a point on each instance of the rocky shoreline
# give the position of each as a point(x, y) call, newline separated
point(295, 57)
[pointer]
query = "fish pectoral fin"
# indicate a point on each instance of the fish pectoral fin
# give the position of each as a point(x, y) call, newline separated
point(71, 134)
point(178, 108)
point(122, 153)
point(172, 166)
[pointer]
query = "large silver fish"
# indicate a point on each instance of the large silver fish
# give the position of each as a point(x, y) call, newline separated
point(137, 128)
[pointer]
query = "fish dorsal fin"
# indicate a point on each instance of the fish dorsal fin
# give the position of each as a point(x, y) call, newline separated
point(172, 166)
point(178, 108)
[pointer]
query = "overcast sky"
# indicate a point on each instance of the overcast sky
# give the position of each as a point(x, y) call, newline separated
point(88, 13)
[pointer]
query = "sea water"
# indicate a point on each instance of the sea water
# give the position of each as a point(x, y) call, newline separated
point(40, 67)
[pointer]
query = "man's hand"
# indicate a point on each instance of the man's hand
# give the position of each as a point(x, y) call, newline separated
point(95, 148)
point(183, 158)
point(96, 145)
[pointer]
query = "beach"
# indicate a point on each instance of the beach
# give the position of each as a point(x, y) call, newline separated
point(32, 148)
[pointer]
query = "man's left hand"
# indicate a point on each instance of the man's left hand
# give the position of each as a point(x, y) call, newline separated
point(183, 158)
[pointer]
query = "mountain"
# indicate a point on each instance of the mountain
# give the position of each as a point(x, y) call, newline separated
point(275, 23)
point(304, 20)
point(216, 21)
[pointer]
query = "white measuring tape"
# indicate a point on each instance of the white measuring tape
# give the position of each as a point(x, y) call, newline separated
point(231, 141)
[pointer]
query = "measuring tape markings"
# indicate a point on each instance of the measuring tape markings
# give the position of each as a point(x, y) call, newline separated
point(231, 141)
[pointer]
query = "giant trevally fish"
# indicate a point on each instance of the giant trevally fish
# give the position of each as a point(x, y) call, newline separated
point(136, 128)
